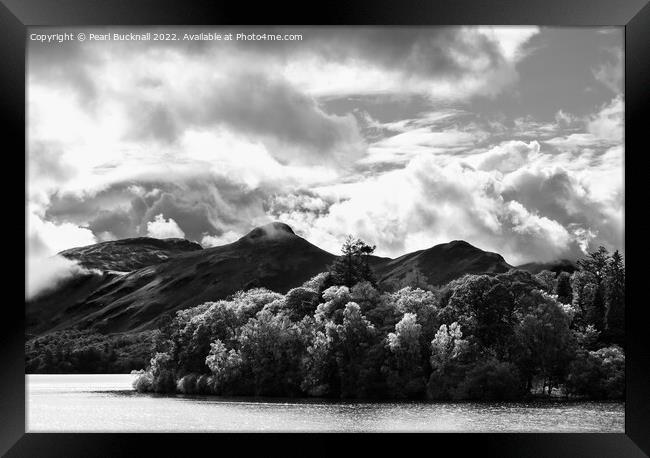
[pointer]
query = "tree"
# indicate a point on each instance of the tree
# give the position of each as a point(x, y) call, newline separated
point(547, 280)
point(351, 343)
point(423, 304)
point(271, 349)
point(596, 264)
point(615, 299)
point(162, 373)
point(612, 362)
point(319, 366)
point(545, 342)
point(563, 288)
point(587, 338)
point(317, 282)
point(598, 374)
point(300, 302)
point(195, 329)
point(225, 365)
point(484, 307)
point(248, 303)
point(490, 379)
point(143, 382)
point(335, 299)
point(494, 319)
point(583, 285)
point(447, 350)
point(366, 295)
point(353, 266)
point(403, 367)
point(520, 283)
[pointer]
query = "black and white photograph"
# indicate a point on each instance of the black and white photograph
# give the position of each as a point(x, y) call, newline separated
point(325, 229)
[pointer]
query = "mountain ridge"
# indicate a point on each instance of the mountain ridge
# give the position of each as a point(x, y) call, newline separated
point(118, 255)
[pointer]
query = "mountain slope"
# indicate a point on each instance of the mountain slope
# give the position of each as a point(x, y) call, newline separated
point(169, 275)
point(442, 263)
point(563, 265)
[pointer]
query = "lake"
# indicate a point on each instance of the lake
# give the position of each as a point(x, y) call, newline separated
point(107, 403)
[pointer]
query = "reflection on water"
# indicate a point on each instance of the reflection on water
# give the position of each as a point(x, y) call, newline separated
point(107, 403)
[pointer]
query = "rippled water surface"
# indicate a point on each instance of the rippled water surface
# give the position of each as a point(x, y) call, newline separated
point(107, 403)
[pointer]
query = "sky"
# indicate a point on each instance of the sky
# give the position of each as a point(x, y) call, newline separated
point(510, 138)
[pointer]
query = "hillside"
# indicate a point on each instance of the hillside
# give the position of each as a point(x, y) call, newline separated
point(563, 265)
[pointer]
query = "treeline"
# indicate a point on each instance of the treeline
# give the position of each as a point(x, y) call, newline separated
point(86, 352)
point(505, 336)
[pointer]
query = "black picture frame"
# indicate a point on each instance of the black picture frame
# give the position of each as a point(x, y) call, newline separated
point(634, 15)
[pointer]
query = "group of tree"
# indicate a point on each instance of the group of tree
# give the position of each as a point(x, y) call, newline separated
point(87, 352)
point(503, 336)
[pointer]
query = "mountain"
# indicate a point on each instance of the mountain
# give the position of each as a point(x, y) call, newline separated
point(142, 279)
point(563, 265)
point(272, 256)
point(129, 254)
point(442, 263)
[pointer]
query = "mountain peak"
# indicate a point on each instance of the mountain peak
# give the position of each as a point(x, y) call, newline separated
point(271, 231)
point(459, 243)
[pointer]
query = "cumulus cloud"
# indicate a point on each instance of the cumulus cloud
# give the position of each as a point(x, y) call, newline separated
point(520, 204)
point(44, 268)
point(542, 232)
point(162, 228)
point(45, 238)
point(607, 124)
point(508, 156)
point(45, 273)
point(227, 237)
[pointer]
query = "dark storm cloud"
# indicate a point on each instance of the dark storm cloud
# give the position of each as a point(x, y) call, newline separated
point(255, 104)
point(415, 50)
point(200, 205)
point(291, 124)
point(552, 195)
point(77, 208)
point(561, 198)
point(117, 224)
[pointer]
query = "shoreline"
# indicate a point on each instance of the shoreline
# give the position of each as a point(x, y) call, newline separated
point(533, 399)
